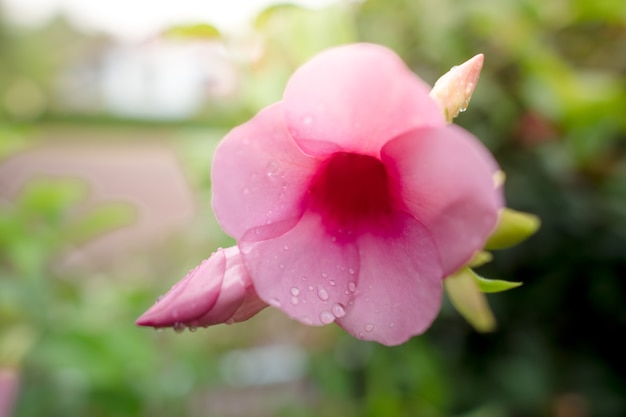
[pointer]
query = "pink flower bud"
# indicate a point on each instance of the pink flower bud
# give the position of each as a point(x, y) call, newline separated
point(454, 89)
point(219, 290)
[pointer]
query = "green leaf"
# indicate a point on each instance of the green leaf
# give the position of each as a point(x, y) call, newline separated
point(493, 285)
point(513, 228)
point(197, 31)
point(102, 219)
point(469, 301)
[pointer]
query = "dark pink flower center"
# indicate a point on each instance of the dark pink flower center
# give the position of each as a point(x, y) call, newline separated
point(351, 190)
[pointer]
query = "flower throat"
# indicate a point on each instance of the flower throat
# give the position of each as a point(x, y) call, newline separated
point(351, 190)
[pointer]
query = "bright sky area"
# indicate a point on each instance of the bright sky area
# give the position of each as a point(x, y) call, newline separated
point(137, 19)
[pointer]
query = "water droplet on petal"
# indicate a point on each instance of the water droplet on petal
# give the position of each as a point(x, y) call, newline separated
point(192, 329)
point(286, 247)
point(351, 271)
point(179, 327)
point(295, 291)
point(369, 327)
point(281, 266)
point(294, 300)
point(352, 286)
point(321, 293)
point(307, 321)
point(326, 317)
point(338, 310)
point(159, 298)
point(331, 283)
point(324, 275)
point(311, 288)
point(272, 168)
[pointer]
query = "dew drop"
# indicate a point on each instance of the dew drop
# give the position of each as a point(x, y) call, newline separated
point(159, 298)
point(352, 286)
point(286, 247)
point(338, 310)
point(321, 293)
point(272, 168)
point(307, 321)
point(295, 291)
point(281, 266)
point(179, 327)
point(469, 89)
point(331, 283)
point(230, 321)
point(193, 329)
point(369, 327)
point(294, 300)
point(284, 185)
point(326, 317)
point(310, 288)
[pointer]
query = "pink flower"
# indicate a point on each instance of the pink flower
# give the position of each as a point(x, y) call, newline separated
point(351, 200)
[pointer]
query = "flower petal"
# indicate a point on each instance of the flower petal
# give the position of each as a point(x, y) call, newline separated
point(446, 182)
point(307, 273)
point(399, 289)
point(259, 176)
point(355, 98)
point(237, 300)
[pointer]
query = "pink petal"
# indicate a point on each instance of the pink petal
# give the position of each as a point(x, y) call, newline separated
point(355, 98)
point(399, 290)
point(219, 290)
point(307, 273)
point(237, 300)
point(446, 182)
point(260, 176)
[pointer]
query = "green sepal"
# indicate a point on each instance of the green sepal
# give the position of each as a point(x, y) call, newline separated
point(493, 285)
point(480, 259)
point(513, 228)
point(469, 301)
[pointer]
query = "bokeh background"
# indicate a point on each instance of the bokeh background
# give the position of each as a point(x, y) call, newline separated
point(107, 128)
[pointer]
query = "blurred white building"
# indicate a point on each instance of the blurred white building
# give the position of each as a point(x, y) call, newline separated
point(164, 79)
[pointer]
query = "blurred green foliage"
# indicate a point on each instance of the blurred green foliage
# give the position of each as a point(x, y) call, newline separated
point(550, 104)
